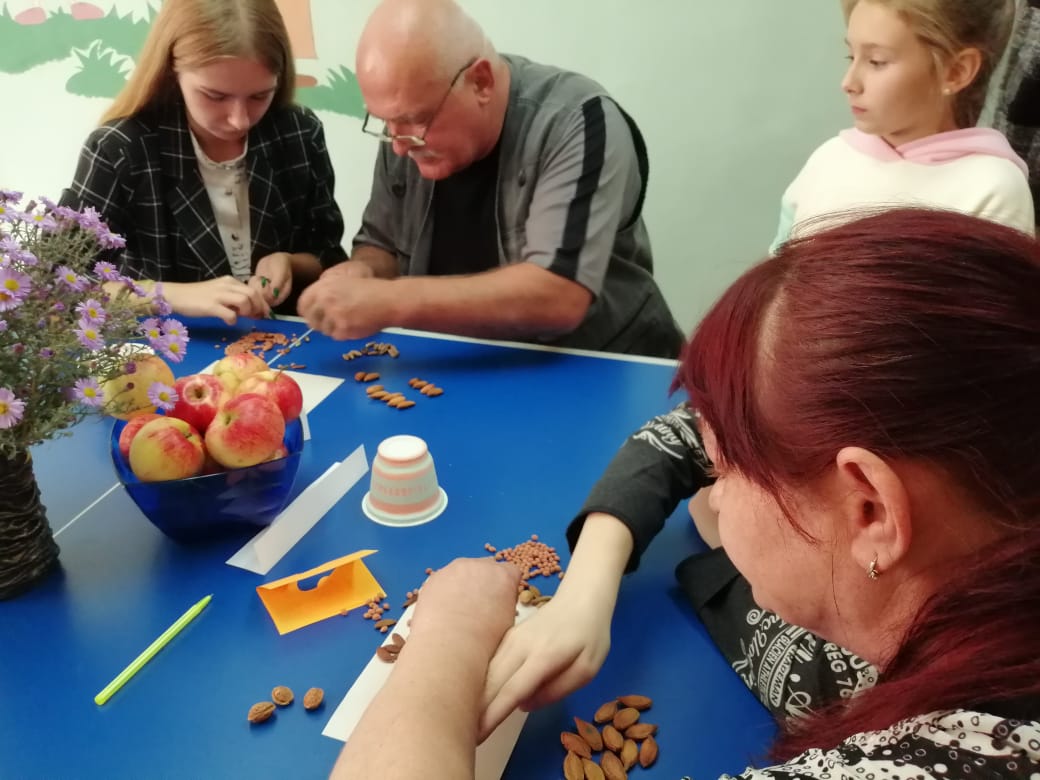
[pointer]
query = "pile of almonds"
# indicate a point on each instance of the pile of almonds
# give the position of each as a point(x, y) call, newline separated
point(282, 695)
point(424, 387)
point(624, 741)
point(388, 653)
point(397, 400)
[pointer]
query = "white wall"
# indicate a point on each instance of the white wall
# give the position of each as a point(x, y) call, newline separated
point(732, 96)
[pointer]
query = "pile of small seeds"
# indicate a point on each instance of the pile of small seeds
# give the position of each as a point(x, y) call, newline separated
point(372, 348)
point(532, 557)
point(261, 343)
point(375, 613)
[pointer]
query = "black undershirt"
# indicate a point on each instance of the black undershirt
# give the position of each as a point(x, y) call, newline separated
point(465, 231)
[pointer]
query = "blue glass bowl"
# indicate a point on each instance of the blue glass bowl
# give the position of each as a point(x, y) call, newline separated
point(215, 505)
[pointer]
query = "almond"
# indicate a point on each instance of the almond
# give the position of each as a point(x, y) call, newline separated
point(625, 718)
point(406, 404)
point(385, 622)
point(373, 389)
point(385, 654)
point(636, 702)
point(647, 752)
point(572, 768)
point(629, 754)
point(612, 767)
point(612, 738)
point(640, 731)
point(589, 733)
point(606, 713)
point(313, 698)
point(371, 376)
point(592, 770)
point(282, 696)
point(535, 593)
point(435, 392)
point(575, 744)
point(397, 639)
point(379, 395)
point(260, 712)
point(427, 389)
point(525, 597)
point(359, 376)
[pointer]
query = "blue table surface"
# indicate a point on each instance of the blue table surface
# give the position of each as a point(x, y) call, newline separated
point(518, 438)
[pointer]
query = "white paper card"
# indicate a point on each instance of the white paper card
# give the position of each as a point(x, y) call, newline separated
point(263, 551)
point(315, 387)
point(491, 756)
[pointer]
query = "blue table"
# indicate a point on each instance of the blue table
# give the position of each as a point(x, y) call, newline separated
point(518, 437)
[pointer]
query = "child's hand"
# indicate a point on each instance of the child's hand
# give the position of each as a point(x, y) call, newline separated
point(548, 656)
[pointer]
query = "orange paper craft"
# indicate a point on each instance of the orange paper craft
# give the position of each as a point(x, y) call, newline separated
point(348, 584)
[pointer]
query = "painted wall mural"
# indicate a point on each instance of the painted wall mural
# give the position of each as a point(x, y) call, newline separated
point(100, 44)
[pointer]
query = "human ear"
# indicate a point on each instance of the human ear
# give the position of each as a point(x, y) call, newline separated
point(961, 70)
point(482, 77)
point(875, 506)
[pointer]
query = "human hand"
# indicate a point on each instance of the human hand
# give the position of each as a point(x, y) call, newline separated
point(273, 277)
point(475, 597)
point(350, 269)
point(345, 307)
point(551, 654)
point(223, 297)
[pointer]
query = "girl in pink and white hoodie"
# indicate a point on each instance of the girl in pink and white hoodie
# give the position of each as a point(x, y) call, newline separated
point(916, 82)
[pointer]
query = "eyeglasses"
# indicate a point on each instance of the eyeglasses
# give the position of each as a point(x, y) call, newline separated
point(386, 136)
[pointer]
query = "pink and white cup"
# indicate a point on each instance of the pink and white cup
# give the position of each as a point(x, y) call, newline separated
point(403, 490)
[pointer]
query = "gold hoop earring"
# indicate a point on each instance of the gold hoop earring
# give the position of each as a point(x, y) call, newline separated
point(872, 572)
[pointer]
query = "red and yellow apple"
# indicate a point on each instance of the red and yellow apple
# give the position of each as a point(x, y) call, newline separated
point(126, 395)
point(199, 396)
point(246, 430)
point(279, 387)
point(164, 449)
point(130, 430)
point(232, 369)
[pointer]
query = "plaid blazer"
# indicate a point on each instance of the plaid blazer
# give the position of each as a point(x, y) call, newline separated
point(142, 175)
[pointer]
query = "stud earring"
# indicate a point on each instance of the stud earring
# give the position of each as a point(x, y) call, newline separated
point(947, 91)
point(872, 572)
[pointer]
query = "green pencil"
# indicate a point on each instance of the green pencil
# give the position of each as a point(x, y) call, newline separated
point(150, 651)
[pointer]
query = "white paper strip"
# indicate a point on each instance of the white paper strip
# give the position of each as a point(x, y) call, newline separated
point(264, 550)
point(491, 756)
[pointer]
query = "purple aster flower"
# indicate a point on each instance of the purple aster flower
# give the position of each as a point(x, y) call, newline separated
point(89, 335)
point(92, 311)
point(88, 391)
point(44, 221)
point(10, 195)
point(162, 396)
point(172, 327)
point(151, 328)
point(14, 286)
point(110, 240)
point(46, 353)
point(3, 325)
point(173, 347)
point(161, 306)
point(106, 271)
point(11, 408)
point(130, 367)
point(71, 279)
point(58, 306)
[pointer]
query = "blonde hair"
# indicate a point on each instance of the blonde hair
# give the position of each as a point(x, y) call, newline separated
point(188, 34)
point(950, 26)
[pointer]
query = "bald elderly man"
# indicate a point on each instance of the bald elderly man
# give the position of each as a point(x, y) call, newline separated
point(506, 201)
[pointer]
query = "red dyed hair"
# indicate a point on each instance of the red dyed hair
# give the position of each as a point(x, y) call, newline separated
point(916, 335)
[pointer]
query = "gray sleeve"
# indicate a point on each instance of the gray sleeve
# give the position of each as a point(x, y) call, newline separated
point(382, 213)
point(587, 186)
point(658, 466)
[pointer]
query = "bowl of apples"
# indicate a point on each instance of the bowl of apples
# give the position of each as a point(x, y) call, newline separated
point(222, 460)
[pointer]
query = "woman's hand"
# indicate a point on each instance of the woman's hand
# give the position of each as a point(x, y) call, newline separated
point(223, 297)
point(273, 277)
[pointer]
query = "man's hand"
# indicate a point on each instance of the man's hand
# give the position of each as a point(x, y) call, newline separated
point(347, 308)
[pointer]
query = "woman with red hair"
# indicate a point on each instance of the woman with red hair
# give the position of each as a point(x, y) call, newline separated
point(868, 398)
